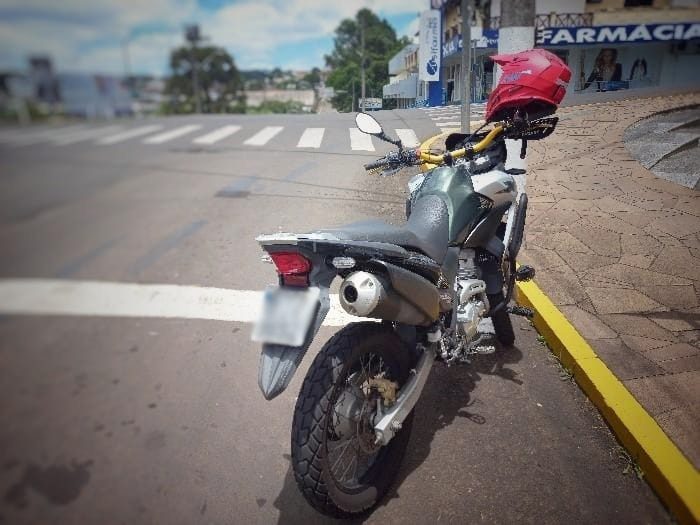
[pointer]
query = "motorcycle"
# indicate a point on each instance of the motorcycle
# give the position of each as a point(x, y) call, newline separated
point(430, 283)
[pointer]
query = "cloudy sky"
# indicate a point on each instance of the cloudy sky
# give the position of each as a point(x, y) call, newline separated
point(88, 35)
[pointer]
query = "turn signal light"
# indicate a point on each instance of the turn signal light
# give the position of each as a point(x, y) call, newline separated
point(292, 267)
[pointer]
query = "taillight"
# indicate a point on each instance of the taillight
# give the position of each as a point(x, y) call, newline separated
point(293, 268)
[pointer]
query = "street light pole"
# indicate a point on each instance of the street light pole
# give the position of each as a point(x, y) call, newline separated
point(362, 64)
point(466, 65)
point(195, 80)
point(192, 35)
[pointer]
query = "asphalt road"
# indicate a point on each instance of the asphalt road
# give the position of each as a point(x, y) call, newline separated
point(147, 420)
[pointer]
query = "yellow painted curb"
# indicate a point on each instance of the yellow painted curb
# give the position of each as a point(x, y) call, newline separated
point(668, 471)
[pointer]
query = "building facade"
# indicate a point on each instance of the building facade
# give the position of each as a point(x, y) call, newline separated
point(610, 45)
point(404, 86)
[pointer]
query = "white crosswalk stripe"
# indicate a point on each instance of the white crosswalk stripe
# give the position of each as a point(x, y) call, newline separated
point(167, 136)
point(217, 135)
point(311, 138)
point(451, 116)
point(408, 137)
point(35, 136)
point(263, 136)
point(129, 134)
point(449, 124)
point(85, 134)
point(360, 141)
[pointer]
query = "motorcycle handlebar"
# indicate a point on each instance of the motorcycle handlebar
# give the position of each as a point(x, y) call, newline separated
point(409, 157)
point(379, 163)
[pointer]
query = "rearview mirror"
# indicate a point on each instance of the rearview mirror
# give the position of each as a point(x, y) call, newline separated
point(367, 124)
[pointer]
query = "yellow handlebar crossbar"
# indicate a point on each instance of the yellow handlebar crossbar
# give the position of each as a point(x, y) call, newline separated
point(437, 160)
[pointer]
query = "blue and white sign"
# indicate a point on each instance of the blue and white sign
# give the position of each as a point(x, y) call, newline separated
point(625, 34)
point(429, 49)
point(488, 39)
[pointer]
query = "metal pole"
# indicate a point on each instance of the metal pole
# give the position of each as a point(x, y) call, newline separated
point(362, 65)
point(352, 102)
point(466, 65)
point(195, 79)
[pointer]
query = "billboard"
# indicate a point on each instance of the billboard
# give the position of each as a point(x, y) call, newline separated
point(429, 50)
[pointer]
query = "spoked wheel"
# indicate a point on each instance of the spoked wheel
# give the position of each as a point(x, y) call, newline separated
point(338, 465)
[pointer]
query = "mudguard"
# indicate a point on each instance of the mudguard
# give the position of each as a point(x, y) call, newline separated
point(278, 363)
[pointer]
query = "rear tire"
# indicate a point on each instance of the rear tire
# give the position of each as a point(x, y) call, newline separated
point(501, 321)
point(317, 420)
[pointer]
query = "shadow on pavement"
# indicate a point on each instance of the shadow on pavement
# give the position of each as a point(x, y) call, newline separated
point(447, 395)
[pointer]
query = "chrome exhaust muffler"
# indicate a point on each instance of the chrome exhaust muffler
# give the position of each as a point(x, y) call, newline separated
point(366, 294)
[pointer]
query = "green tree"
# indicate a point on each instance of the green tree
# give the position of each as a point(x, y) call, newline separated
point(313, 77)
point(220, 83)
point(345, 60)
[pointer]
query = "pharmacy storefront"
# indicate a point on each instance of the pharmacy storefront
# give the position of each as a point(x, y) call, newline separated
point(619, 57)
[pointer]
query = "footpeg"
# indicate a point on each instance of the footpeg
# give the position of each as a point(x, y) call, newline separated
point(521, 310)
point(525, 273)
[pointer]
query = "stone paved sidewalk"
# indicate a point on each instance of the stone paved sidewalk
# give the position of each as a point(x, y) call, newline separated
point(618, 250)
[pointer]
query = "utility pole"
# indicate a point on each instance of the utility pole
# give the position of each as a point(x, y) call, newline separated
point(362, 64)
point(517, 31)
point(466, 65)
point(193, 36)
point(352, 107)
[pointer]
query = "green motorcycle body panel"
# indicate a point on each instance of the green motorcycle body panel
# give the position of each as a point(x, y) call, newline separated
point(454, 186)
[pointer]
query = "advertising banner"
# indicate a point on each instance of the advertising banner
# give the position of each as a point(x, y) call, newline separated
point(430, 50)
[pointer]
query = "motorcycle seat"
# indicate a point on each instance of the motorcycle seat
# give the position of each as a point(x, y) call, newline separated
point(427, 229)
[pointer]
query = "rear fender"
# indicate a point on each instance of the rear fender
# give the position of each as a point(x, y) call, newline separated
point(279, 363)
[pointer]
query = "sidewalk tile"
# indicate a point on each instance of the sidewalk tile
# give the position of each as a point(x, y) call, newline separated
point(638, 261)
point(682, 364)
point(617, 301)
point(678, 261)
point(646, 344)
point(637, 324)
point(626, 363)
point(675, 297)
point(683, 425)
point(669, 352)
point(587, 323)
point(665, 392)
point(676, 321)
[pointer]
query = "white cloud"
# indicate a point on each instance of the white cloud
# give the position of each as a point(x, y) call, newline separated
point(87, 36)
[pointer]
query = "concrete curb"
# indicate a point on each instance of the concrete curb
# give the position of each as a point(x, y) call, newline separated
point(667, 470)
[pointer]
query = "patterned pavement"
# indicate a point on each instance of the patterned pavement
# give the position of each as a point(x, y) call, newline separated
point(618, 251)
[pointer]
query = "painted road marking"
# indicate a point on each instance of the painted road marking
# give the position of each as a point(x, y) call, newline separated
point(172, 134)
point(129, 134)
point(408, 137)
point(85, 134)
point(35, 136)
point(311, 138)
point(443, 124)
point(360, 141)
point(263, 136)
point(217, 135)
point(110, 299)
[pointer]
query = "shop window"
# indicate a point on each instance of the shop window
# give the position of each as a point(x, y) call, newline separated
point(562, 53)
point(638, 3)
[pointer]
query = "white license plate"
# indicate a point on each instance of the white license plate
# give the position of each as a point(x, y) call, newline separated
point(286, 315)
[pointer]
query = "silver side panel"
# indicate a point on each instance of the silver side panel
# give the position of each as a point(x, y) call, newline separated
point(497, 185)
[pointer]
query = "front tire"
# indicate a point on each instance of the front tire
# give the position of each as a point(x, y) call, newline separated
point(322, 433)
